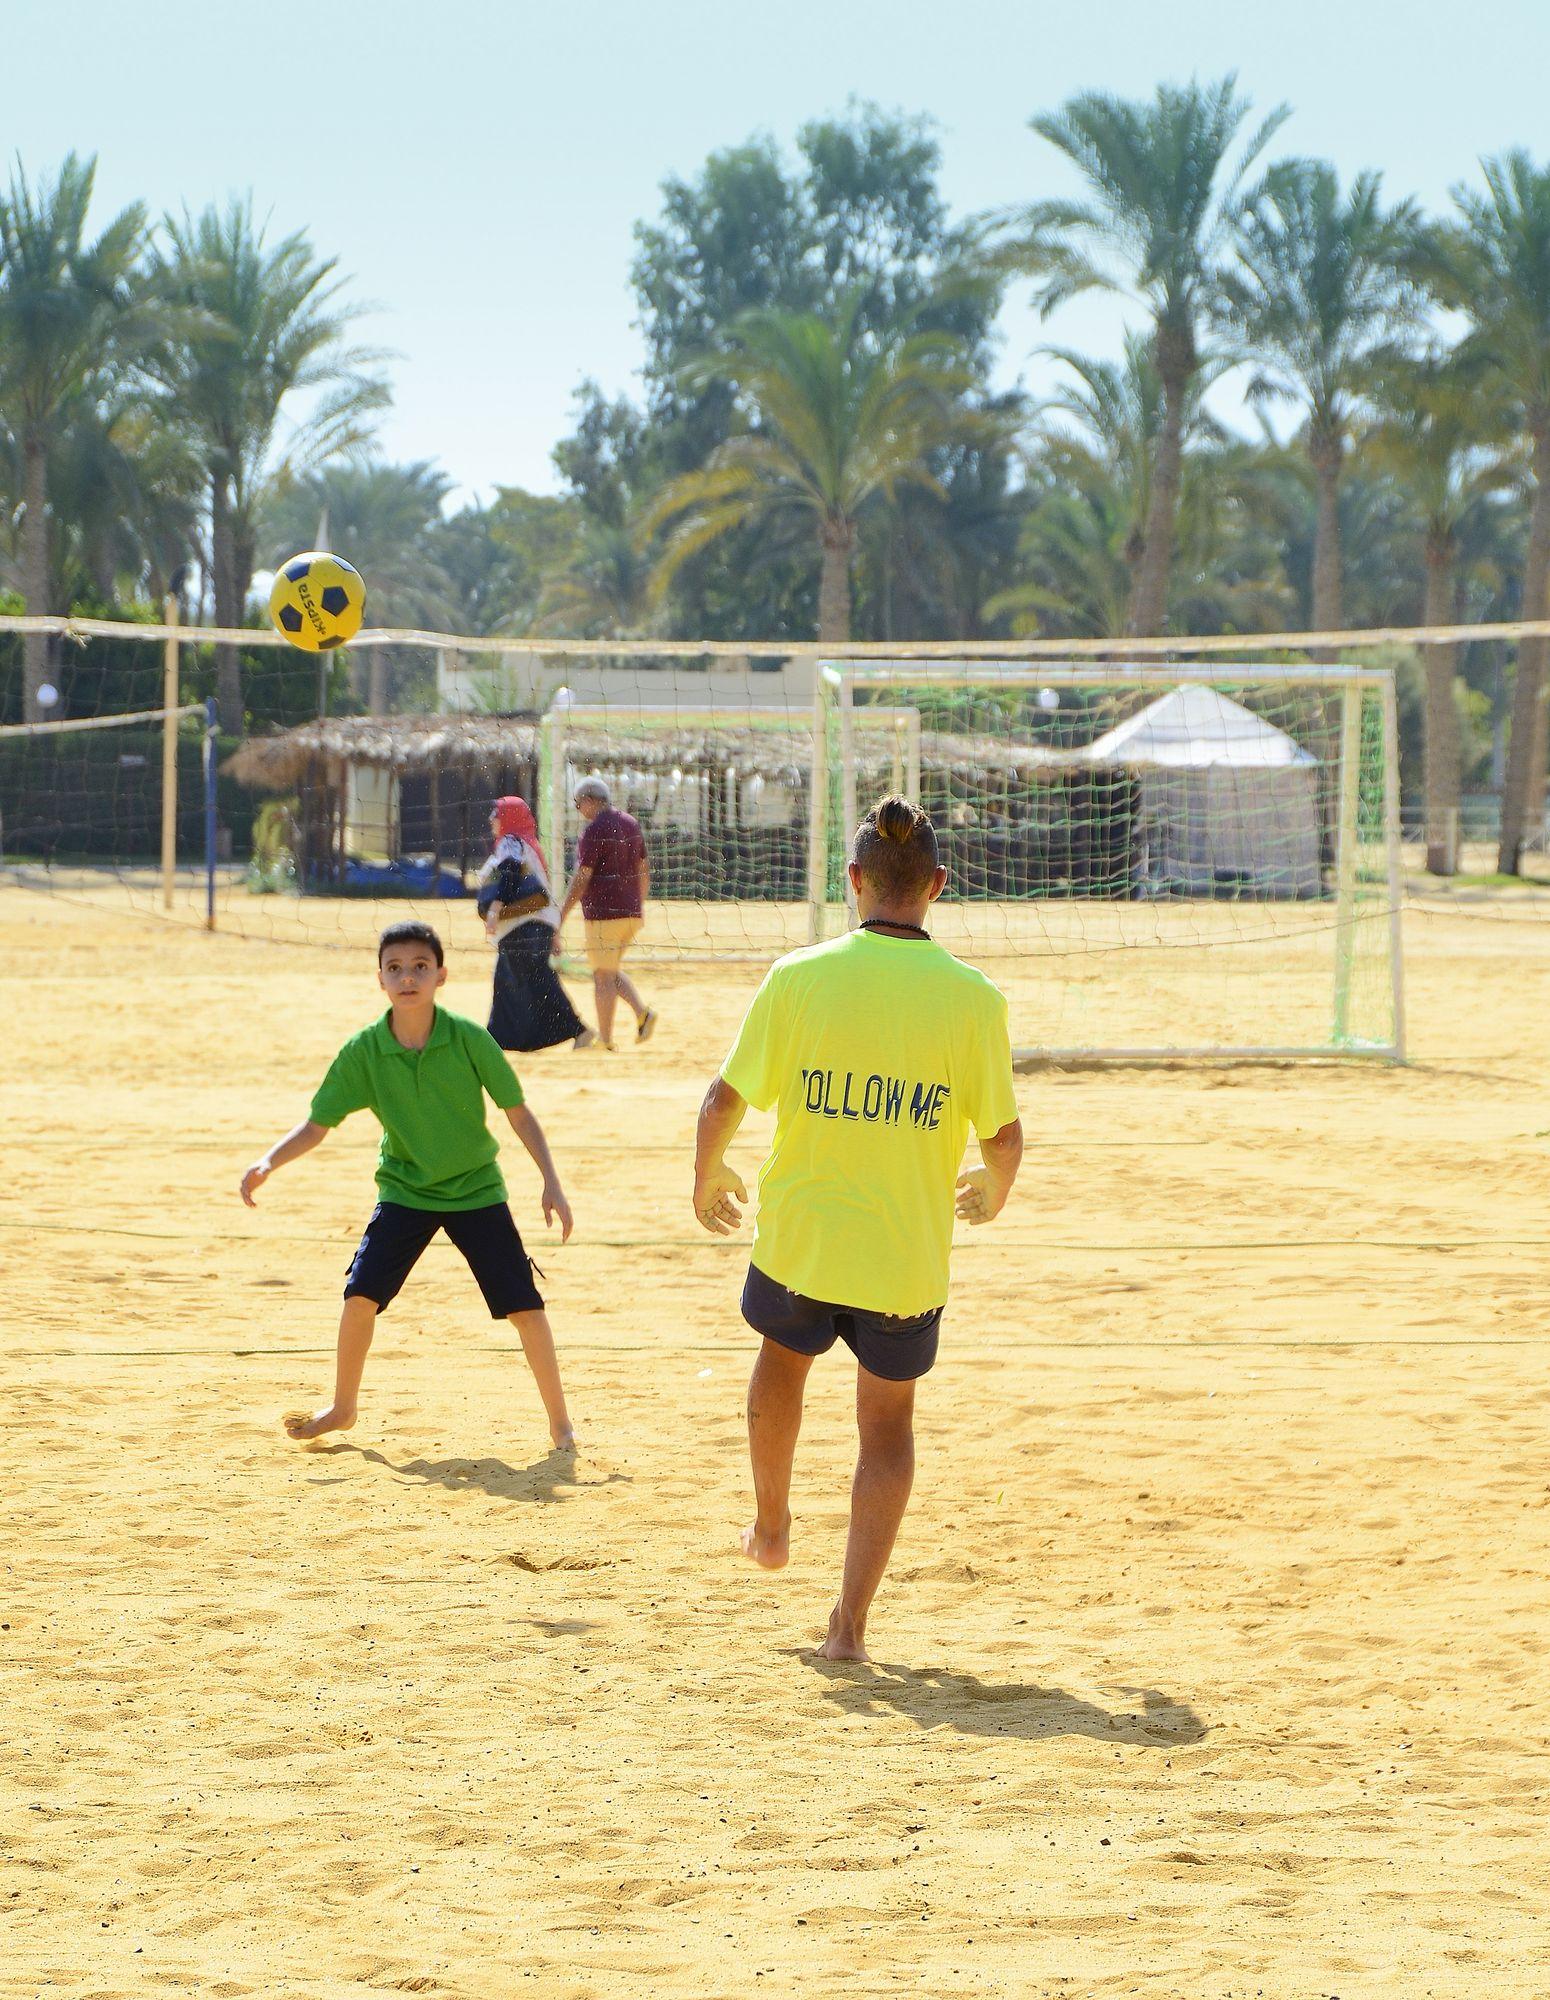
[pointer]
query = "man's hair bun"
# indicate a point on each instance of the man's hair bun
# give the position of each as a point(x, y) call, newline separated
point(897, 819)
point(895, 847)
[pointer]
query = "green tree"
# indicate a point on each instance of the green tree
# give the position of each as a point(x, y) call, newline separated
point(1320, 289)
point(606, 460)
point(855, 218)
point(74, 317)
point(1166, 183)
point(840, 420)
point(268, 323)
point(497, 558)
point(929, 560)
point(379, 518)
point(604, 590)
point(1091, 475)
point(1495, 268)
point(125, 486)
point(1437, 421)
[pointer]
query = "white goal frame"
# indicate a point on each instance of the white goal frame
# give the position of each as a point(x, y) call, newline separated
point(835, 701)
point(901, 720)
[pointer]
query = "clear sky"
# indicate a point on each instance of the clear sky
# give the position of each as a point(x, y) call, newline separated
point(477, 165)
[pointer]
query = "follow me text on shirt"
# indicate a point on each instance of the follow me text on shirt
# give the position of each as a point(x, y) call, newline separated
point(877, 1101)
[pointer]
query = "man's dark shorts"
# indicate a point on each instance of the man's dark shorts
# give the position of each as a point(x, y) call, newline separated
point(396, 1237)
point(897, 1349)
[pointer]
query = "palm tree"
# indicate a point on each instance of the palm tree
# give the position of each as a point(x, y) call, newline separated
point(1319, 289)
point(1495, 268)
point(125, 485)
point(1091, 475)
point(928, 563)
point(379, 519)
point(1161, 224)
point(1119, 409)
point(604, 590)
point(73, 316)
point(1436, 423)
point(1073, 558)
point(841, 419)
point(271, 324)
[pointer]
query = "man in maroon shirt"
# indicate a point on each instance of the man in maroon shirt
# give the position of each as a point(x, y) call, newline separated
point(611, 882)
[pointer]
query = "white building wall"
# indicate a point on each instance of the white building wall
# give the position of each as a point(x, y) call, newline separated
point(508, 682)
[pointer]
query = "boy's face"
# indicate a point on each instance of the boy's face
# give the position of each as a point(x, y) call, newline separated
point(409, 975)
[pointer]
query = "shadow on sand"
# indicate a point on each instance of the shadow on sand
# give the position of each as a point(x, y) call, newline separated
point(938, 1697)
point(552, 1477)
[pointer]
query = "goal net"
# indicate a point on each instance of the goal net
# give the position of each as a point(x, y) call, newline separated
point(1152, 860)
point(117, 800)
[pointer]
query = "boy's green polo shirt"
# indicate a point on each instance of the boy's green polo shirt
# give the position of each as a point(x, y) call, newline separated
point(437, 1151)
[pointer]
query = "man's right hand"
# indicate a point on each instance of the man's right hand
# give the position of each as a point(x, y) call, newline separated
point(254, 1179)
point(714, 1206)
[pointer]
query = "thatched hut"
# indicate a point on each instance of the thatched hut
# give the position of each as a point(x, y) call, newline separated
point(723, 800)
point(381, 787)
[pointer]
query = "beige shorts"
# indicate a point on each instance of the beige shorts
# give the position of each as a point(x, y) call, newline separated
point(608, 938)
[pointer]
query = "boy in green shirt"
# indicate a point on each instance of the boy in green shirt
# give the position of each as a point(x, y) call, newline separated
point(424, 1072)
point(879, 1051)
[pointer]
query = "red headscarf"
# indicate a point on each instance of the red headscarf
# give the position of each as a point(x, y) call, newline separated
point(514, 817)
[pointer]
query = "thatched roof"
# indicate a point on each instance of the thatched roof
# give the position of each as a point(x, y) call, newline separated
point(770, 752)
point(488, 744)
point(401, 743)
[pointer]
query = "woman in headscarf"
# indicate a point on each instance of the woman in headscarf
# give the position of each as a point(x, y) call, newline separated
point(529, 1009)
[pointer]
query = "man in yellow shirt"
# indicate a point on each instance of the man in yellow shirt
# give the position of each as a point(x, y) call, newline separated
point(879, 1051)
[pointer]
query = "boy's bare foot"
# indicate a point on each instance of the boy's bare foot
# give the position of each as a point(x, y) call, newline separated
point(769, 1548)
point(842, 1642)
point(300, 1426)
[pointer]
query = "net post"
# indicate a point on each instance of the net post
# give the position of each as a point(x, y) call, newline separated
point(849, 810)
point(912, 755)
point(169, 754)
point(1346, 835)
point(551, 804)
point(818, 811)
point(212, 728)
point(1396, 880)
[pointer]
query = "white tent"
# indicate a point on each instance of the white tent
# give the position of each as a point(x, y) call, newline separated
point(1228, 802)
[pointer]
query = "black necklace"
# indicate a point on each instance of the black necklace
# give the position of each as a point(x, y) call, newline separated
point(887, 924)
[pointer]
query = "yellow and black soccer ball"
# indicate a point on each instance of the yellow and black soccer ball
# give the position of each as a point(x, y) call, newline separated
point(317, 601)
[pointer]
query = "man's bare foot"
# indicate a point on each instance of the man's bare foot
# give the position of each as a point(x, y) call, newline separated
point(769, 1548)
point(563, 1436)
point(842, 1642)
point(300, 1426)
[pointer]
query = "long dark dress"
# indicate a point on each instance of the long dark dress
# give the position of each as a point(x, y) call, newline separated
point(530, 1009)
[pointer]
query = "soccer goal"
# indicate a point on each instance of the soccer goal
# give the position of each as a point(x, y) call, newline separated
point(725, 795)
point(1155, 861)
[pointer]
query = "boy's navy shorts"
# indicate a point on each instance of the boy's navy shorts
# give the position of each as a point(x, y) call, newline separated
point(492, 1249)
point(897, 1349)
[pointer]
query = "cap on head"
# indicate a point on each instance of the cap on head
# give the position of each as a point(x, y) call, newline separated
point(594, 788)
point(895, 849)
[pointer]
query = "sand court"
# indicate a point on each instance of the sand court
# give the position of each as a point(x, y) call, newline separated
point(1211, 1662)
